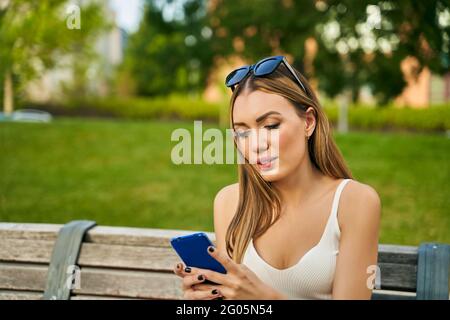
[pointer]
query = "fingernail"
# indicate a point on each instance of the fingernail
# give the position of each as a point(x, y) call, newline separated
point(214, 291)
point(200, 277)
point(211, 249)
point(187, 269)
point(178, 266)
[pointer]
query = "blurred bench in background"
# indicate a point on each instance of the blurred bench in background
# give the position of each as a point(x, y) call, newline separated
point(136, 263)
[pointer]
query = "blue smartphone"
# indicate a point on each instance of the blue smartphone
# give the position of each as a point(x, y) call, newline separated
point(192, 249)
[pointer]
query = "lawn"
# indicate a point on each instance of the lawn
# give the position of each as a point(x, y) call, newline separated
point(120, 173)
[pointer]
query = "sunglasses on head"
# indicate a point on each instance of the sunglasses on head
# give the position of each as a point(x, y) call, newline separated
point(261, 68)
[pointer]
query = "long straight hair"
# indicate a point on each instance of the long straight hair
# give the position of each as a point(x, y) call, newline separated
point(259, 204)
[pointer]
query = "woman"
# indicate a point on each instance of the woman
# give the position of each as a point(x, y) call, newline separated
point(296, 226)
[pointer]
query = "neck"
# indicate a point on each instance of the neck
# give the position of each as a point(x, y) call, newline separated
point(298, 186)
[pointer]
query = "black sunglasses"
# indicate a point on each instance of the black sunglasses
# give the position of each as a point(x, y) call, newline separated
point(261, 68)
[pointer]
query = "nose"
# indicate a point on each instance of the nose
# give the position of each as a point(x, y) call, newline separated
point(259, 142)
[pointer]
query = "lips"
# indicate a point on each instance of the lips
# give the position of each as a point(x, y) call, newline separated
point(265, 163)
point(265, 160)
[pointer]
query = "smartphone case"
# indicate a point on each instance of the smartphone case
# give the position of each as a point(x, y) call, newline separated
point(192, 249)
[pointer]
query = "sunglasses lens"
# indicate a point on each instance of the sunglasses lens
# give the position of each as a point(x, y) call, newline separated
point(266, 67)
point(236, 76)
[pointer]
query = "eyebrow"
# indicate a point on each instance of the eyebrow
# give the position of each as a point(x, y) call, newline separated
point(259, 119)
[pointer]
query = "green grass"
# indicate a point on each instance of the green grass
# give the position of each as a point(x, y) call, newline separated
point(120, 173)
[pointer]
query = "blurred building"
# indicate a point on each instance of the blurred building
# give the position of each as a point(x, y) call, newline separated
point(424, 88)
point(109, 47)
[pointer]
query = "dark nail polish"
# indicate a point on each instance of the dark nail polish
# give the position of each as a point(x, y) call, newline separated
point(200, 277)
point(214, 291)
point(178, 266)
point(187, 269)
point(211, 249)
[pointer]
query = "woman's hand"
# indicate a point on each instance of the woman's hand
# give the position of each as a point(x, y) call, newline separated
point(191, 280)
point(238, 283)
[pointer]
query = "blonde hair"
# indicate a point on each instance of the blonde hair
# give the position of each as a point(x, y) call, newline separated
point(259, 202)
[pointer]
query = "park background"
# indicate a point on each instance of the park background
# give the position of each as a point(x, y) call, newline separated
point(131, 72)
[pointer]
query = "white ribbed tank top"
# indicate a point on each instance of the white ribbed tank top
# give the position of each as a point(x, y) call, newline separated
point(312, 276)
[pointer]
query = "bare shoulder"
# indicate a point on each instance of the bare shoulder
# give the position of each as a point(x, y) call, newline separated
point(359, 193)
point(226, 201)
point(226, 195)
point(359, 205)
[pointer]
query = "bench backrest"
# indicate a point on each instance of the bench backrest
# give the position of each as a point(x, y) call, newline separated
point(135, 263)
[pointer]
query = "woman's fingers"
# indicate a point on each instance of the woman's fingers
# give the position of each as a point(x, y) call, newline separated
point(182, 271)
point(203, 286)
point(201, 294)
point(178, 269)
point(217, 277)
point(190, 280)
point(224, 259)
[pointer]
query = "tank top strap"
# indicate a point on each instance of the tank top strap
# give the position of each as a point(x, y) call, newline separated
point(337, 196)
point(334, 224)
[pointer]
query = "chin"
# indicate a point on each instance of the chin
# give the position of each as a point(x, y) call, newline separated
point(271, 175)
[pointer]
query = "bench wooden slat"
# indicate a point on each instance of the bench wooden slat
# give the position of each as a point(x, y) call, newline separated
point(27, 277)
point(397, 254)
point(29, 295)
point(20, 295)
point(379, 295)
point(92, 255)
point(25, 250)
point(135, 284)
point(96, 281)
point(32, 231)
point(127, 257)
point(98, 234)
point(91, 297)
point(398, 276)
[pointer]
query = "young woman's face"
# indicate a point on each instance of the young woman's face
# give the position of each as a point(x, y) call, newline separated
point(270, 134)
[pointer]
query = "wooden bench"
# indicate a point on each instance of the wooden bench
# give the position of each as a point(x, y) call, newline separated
point(136, 263)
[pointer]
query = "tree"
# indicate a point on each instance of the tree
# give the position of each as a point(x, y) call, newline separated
point(170, 53)
point(360, 43)
point(36, 35)
point(376, 36)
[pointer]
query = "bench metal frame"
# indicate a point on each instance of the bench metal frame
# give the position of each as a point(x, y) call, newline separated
point(64, 257)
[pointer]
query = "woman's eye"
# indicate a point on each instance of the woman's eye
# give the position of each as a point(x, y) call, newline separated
point(242, 134)
point(272, 126)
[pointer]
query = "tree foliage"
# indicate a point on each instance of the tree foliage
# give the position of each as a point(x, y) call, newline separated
point(34, 36)
point(167, 55)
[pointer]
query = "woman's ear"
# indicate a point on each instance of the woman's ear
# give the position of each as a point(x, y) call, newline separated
point(310, 121)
